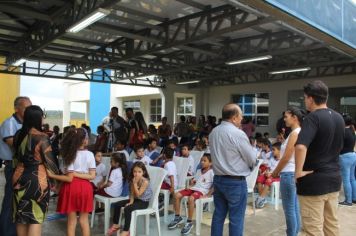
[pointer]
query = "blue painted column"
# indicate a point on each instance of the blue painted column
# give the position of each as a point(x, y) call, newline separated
point(99, 103)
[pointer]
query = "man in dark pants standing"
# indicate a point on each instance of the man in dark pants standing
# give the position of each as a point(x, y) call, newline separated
point(233, 158)
point(7, 131)
point(317, 163)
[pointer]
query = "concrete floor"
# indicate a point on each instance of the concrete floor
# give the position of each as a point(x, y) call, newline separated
point(267, 222)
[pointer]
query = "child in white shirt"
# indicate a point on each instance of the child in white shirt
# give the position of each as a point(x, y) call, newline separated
point(265, 179)
point(120, 147)
point(100, 171)
point(203, 187)
point(140, 155)
point(117, 176)
point(186, 154)
point(170, 182)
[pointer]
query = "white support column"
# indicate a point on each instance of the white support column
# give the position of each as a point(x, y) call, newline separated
point(66, 105)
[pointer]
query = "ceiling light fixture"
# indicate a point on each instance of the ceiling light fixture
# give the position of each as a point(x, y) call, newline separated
point(252, 59)
point(289, 70)
point(189, 82)
point(88, 20)
point(19, 62)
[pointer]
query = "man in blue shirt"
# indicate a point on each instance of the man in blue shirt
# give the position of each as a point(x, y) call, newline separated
point(7, 131)
point(233, 159)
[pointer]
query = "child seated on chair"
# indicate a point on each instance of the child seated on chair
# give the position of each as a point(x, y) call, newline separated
point(151, 150)
point(170, 182)
point(265, 179)
point(140, 155)
point(120, 147)
point(203, 187)
point(186, 154)
point(173, 144)
point(100, 171)
point(117, 177)
point(200, 145)
point(140, 196)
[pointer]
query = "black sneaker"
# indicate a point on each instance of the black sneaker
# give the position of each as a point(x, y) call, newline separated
point(187, 228)
point(344, 203)
point(177, 220)
point(354, 201)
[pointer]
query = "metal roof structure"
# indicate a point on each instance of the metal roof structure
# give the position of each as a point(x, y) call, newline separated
point(150, 42)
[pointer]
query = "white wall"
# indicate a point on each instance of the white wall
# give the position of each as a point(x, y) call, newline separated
point(119, 90)
point(278, 92)
point(144, 102)
point(79, 92)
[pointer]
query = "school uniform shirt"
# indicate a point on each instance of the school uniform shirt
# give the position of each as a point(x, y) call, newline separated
point(145, 160)
point(266, 156)
point(191, 170)
point(115, 189)
point(100, 173)
point(272, 164)
point(149, 153)
point(204, 181)
point(84, 161)
point(171, 168)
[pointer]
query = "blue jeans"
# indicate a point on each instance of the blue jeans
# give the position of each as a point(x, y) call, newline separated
point(7, 227)
point(290, 203)
point(230, 195)
point(348, 165)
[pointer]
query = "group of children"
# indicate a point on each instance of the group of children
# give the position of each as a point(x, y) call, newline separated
point(270, 156)
point(85, 175)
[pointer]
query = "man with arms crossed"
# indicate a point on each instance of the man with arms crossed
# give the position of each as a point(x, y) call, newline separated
point(317, 163)
point(233, 159)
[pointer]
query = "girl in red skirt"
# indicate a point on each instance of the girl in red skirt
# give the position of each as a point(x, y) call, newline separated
point(76, 194)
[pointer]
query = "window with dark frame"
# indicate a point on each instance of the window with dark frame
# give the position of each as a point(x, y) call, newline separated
point(155, 110)
point(255, 106)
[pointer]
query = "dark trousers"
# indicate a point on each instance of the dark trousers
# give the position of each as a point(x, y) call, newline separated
point(7, 227)
point(136, 205)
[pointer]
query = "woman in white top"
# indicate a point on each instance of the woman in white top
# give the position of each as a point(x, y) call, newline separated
point(293, 118)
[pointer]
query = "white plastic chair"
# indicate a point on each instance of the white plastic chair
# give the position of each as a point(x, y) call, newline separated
point(132, 156)
point(199, 206)
point(107, 201)
point(275, 194)
point(251, 182)
point(182, 165)
point(157, 175)
point(197, 155)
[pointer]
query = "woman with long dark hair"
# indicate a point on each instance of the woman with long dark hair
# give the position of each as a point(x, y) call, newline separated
point(293, 118)
point(33, 154)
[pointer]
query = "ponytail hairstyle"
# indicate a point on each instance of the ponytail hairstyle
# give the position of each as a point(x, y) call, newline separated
point(140, 165)
point(297, 112)
point(70, 144)
point(120, 158)
point(32, 119)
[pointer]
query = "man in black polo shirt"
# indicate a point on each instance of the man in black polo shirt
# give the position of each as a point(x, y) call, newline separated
point(317, 163)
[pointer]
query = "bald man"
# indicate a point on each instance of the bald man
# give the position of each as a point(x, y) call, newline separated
point(7, 131)
point(233, 159)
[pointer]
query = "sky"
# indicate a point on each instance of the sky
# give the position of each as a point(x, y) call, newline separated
point(46, 93)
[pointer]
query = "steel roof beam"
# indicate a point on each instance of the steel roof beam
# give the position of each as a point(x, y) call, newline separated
point(43, 34)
